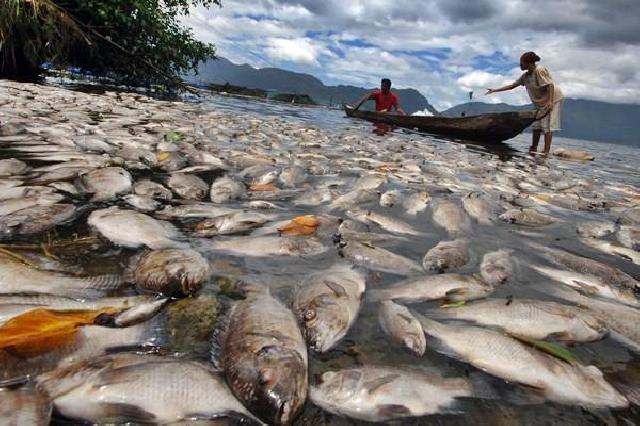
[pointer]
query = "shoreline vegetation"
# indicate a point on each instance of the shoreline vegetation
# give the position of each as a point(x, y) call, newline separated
point(137, 43)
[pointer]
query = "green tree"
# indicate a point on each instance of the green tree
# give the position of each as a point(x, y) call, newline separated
point(134, 42)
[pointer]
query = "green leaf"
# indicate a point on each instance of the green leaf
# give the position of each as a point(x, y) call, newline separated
point(453, 305)
point(551, 348)
point(173, 136)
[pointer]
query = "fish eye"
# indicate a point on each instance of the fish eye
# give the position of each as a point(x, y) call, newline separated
point(309, 315)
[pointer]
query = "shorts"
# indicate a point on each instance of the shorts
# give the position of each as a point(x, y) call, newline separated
point(550, 123)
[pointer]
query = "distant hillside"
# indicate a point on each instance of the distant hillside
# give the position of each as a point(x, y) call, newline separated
point(581, 119)
point(221, 71)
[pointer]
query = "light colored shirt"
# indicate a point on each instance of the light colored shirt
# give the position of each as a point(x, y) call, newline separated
point(537, 84)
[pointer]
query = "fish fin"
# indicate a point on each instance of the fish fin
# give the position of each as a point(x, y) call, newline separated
point(483, 386)
point(585, 288)
point(373, 385)
point(128, 412)
point(337, 289)
point(393, 411)
point(154, 335)
point(219, 334)
point(631, 392)
point(233, 417)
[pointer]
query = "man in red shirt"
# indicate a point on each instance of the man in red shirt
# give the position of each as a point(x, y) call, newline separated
point(385, 99)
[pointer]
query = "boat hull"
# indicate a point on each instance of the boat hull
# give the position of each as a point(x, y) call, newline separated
point(486, 128)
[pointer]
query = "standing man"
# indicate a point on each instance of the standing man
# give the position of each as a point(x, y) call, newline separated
point(544, 93)
point(385, 98)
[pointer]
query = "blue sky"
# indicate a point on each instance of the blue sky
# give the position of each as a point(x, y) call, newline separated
point(444, 48)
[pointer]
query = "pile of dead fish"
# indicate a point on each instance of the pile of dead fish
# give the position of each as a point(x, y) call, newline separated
point(317, 227)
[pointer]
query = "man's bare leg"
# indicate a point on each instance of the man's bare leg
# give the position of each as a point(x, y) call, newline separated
point(534, 141)
point(548, 136)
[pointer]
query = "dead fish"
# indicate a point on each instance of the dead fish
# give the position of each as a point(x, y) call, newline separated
point(593, 229)
point(350, 230)
point(354, 198)
point(525, 216)
point(126, 388)
point(378, 259)
point(142, 203)
point(292, 177)
point(16, 204)
point(369, 181)
point(449, 216)
point(629, 236)
point(129, 228)
point(93, 144)
point(477, 207)
point(447, 255)
point(194, 210)
point(613, 249)
point(535, 319)
point(25, 192)
point(60, 174)
point(589, 275)
point(171, 161)
point(67, 187)
point(573, 154)
point(12, 167)
point(188, 187)
point(630, 216)
point(387, 223)
point(16, 277)
point(230, 224)
point(511, 360)
point(313, 198)
point(403, 328)
point(261, 204)
point(171, 271)
point(264, 357)
point(35, 220)
point(268, 246)
point(621, 320)
point(86, 343)
point(134, 308)
point(24, 406)
point(147, 188)
point(327, 303)
point(416, 202)
point(225, 189)
point(137, 155)
point(570, 201)
point(497, 267)
point(390, 198)
point(106, 183)
point(450, 286)
point(383, 394)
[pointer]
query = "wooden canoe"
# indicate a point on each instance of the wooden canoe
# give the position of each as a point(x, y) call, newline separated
point(486, 128)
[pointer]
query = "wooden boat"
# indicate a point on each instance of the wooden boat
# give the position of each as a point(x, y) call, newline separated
point(486, 128)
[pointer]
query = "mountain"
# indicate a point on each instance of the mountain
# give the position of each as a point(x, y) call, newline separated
point(221, 71)
point(581, 119)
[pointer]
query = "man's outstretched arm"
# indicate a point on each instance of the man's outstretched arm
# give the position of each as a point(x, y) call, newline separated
point(364, 99)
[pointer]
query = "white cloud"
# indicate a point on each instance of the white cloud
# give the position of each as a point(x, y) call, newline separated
point(423, 113)
point(294, 50)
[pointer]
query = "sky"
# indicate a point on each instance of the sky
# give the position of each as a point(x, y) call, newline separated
point(443, 48)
